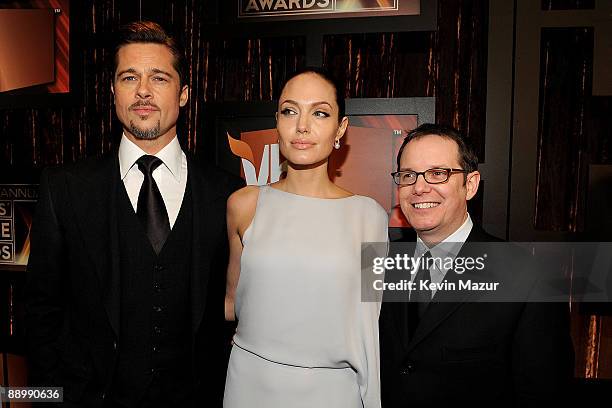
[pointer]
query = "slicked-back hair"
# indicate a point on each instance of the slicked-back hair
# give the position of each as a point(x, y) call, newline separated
point(467, 158)
point(148, 32)
point(329, 78)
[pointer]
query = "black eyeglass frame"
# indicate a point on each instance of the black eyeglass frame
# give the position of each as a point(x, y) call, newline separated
point(449, 172)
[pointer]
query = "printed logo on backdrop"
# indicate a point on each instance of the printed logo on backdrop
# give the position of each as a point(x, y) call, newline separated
point(267, 168)
point(326, 8)
point(362, 165)
point(17, 202)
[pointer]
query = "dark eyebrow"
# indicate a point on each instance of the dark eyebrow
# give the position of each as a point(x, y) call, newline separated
point(127, 71)
point(159, 71)
point(321, 103)
point(442, 166)
point(312, 104)
point(154, 70)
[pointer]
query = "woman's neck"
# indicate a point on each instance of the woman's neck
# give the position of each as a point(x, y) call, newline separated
point(312, 181)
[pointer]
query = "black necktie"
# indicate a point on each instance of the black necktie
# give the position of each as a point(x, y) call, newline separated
point(419, 297)
point(151, 209)
point(422, 295)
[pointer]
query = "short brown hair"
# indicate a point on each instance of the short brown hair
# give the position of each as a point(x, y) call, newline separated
point(467, 158)
point(152, 33)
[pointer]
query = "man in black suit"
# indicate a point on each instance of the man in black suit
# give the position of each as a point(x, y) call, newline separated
point(124, 301)
point(445, 347)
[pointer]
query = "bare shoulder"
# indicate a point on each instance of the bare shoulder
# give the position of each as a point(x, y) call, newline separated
point(241, 207)
point(243, 199)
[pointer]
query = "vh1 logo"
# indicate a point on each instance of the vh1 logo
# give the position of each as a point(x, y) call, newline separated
point(267, 163)
point(362, 165)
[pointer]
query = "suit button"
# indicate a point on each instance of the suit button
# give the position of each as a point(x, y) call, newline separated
point(157, 329)
point(157, 287)
point(407, 369)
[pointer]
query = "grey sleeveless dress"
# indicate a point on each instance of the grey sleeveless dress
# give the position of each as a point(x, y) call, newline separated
point(304, 338)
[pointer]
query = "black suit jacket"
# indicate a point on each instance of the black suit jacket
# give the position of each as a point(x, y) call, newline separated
point(478, 353)
point(73, 292)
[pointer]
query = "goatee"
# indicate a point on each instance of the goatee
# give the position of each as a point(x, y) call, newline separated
point(145, 134)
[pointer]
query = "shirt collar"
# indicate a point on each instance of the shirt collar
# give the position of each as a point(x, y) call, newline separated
point(171, 155)
point(451, 245)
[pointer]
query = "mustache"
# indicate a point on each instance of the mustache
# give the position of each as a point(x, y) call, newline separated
point(141, 104)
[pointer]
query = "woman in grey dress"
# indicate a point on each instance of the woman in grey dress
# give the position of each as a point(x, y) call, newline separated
point(304, 337)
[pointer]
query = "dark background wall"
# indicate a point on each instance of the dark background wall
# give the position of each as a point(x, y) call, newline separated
point(249, 64)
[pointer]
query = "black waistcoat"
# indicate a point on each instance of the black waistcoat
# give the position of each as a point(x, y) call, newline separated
point(154, 360)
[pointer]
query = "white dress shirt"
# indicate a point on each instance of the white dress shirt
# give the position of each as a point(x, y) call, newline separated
point(171, 177)
point(449, 248)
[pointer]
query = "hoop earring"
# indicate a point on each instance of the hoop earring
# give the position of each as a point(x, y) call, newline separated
point(337, 144)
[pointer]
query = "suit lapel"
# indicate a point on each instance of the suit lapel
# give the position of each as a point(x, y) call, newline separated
point(397, 310)
point(442, 306)
point(446, 303)
point(94, 196)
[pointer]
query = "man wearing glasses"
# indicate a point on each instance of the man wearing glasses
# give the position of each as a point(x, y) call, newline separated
point(440, 347)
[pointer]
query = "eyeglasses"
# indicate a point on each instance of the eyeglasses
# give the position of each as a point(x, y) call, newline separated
point(431, 176)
